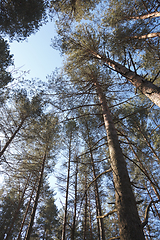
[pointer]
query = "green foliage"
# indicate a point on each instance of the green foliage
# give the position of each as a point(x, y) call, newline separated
point(126, 31)
point(47, 223)
point(19, 19)
point(8, 206)
point(77, 9)
point(6, 60)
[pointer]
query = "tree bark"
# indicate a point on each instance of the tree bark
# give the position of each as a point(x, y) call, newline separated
point(29, 230)
point(128, 218)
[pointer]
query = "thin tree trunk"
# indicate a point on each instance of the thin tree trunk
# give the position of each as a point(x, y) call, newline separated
point(17, 210)
point(129, 222)
point(90, 219)
point(67, 190)
point(100, 223)
point(28, 205)
point(75, 204)
point(29, 230)
point(85, 211)
point(98, 204)
point(12, 137)
point(98, 227)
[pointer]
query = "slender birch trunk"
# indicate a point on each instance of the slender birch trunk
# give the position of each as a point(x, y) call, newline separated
point(29, 230)
point(129, 222)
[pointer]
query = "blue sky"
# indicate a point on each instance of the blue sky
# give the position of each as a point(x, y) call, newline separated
point(36, 54)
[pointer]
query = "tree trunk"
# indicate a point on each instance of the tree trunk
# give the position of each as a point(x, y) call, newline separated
point(100, 224)
point(98, 204)
point(29, 230)
point(75, 203)
point(12, 137)
point(129, 222)
point(85, 211)
point(67, 190)
point(90, 219)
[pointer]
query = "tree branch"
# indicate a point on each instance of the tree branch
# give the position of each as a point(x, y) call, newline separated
point(145, 16)
point(108, 170)
point(107, 214)
point(147, 213)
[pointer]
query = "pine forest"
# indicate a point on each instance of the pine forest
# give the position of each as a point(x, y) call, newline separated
point(80, 150)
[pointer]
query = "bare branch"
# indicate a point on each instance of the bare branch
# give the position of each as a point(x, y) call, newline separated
point(147, 213)
point(107, 214)
point(145, 16)
point(108, 170)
